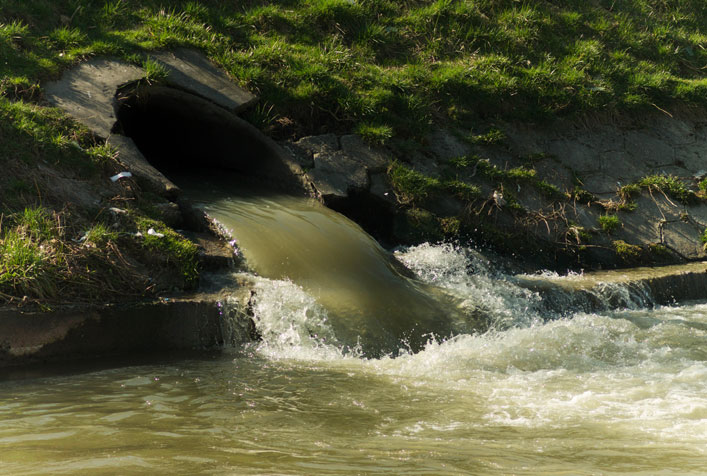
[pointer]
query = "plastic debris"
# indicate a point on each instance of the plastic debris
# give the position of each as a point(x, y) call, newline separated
point(121, 175)
point(81, 239)
point(152, 232)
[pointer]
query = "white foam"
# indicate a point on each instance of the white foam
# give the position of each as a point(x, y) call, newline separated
point(469, 276)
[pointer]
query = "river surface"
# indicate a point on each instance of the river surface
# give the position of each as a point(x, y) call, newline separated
point(530, 392)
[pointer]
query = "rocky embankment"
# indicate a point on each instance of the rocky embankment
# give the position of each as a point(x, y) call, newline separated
point(597, 192)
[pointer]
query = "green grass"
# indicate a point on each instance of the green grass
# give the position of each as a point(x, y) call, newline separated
point(176, 249)
point(410, 185)
point(154, 71)
point(390, 69)
point(32, 133)
point(31, 253)
point(100, 235)
point(492, 137)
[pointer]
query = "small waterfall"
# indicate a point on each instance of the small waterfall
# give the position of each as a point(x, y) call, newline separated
point(565, 295)
point(292, 324)
point(324, 288)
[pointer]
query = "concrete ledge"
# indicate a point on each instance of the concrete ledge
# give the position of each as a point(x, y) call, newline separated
point(603, 290)
point(82, 332)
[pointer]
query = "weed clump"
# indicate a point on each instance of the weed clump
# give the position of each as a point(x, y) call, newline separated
point(671, 185)
point(375, 134)
point(410, 185)
point(609, 223)
point(155, 71)
point(492, 137)
point(31, 254)
point(176, 249)
point(628, 253)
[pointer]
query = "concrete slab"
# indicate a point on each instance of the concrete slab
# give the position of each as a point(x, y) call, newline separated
point(373, 159)
point(684, 239)
point(576, 156)
point(646, 149)
point(698, 214)
point(86, 92)
point(445, 145)
point(555, 173)
point(600, 184)
point(192, 71)
point(642, 226)
point(335, 174)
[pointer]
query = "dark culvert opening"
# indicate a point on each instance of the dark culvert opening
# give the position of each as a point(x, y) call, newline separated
point(186, 137)
point(181, 134)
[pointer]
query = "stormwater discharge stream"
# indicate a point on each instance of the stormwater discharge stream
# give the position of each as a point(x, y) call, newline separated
point(347, 380)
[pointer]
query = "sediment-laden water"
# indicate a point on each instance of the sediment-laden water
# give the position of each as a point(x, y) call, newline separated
point(616, 392)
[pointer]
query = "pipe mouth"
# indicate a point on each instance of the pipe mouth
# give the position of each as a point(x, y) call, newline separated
point(180, 133)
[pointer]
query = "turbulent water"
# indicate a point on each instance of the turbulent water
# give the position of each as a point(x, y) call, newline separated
point(616, 392)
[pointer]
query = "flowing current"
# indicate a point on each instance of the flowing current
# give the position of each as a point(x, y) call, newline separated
point(484, 379)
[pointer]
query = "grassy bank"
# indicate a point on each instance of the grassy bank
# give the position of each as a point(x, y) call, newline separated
point(384, 68)
point(389, 70)
point(67, 232)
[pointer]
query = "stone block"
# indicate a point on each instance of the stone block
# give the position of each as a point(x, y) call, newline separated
point(578, 157)
point(326, 143)
point(381, 188)
point(684, 238)
point(698, 214)
point(373, 159)
point(445, 145)
point(337, 173)
point(646, 149)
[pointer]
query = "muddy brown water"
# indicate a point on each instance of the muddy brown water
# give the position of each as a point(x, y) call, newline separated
point(616, 392)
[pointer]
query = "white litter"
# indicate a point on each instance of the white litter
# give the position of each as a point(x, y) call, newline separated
point(152, 232)
point(121, 175)
point(81, 239)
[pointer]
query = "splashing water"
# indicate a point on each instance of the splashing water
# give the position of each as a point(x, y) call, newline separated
point(534, 392)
